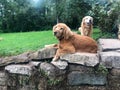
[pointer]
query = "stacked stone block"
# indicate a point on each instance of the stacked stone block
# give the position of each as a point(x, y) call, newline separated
point(79, 71)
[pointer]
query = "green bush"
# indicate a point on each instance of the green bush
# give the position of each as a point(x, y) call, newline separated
point(106, 17)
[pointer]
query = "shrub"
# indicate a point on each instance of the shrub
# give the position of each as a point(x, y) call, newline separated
point(107, 18)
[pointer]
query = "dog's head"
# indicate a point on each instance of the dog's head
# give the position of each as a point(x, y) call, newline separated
point(62, 31)
point(87, 20)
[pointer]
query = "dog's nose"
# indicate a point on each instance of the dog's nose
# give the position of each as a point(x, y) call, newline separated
point(90, 21)
point(55, 33)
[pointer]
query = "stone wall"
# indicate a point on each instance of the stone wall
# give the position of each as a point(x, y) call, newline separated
point(79, 71)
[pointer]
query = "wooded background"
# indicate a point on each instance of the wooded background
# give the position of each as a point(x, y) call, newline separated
point(36, 15)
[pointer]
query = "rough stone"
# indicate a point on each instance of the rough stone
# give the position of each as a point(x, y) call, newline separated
point(115, 72)
point(2, 74)
point(78, 78)
point(113, 82)
point(60, 64)
point(42, 84)
point(3, 79)
point(3, 88)
point(22, 58)
point(49, 70)
point(45, 53)
point(81, 68)
point(110, 59)
point(19, 69)
point(86, 88)
point(27, 87)
point(12, 81)
point(109, 44)
point(87, 59)
point(35, 63)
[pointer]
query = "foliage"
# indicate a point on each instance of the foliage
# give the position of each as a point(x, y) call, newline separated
point(77, 9)
point(106, 16)
point(53, 82)
point(26, 15)
point(101, 69)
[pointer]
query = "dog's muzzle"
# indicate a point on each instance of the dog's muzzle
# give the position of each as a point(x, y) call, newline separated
point(55, 33)
point(88, 22)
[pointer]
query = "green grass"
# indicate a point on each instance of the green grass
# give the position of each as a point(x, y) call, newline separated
point(96, 33)
point(16, 43)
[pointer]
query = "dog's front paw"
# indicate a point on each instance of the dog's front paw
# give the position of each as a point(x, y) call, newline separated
point(55, 59)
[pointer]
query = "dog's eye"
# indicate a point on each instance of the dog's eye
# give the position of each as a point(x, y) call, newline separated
point(61, 28)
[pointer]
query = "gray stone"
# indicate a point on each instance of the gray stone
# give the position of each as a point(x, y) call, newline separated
point(110, 59)
point(45, 53)
point(3, 79)
point(27, 87)
point(78, 78)
point(3, 88)
point(2, 74)
point(49, 70)
point(113, 82)
point(87, 59)
point(115, 72)
point(109, 44)
point(86, 87)
point(81, 68)
point(19, 69)
point(42, 84)
point(35, 63)
point(22, 58)
point(60, 64)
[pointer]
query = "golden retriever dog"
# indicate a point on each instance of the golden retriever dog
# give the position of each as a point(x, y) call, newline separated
point(86, 26)
point(70, 42)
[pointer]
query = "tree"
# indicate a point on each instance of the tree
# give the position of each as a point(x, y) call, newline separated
point(77, 9)
point(25, 15)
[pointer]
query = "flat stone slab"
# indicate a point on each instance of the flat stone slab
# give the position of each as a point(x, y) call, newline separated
point(109, 44)
point(81, 68)
point(87, 59)
point(22, 58)
point(78, 78)
point(19, 69)
point(110, 59)
point(45, 53)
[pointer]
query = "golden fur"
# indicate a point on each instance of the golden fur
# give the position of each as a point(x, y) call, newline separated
point(70, 42)
point(86, 26)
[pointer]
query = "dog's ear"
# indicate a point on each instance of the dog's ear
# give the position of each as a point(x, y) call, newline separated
point(54, 27)
point(67, 33)
point(83, 22)
point(92, 20)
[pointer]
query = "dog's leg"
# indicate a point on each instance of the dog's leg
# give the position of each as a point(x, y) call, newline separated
point(65, 50)
point(57, 55)
point(81, 31)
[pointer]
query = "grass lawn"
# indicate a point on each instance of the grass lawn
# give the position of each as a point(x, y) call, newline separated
point(16, 43)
